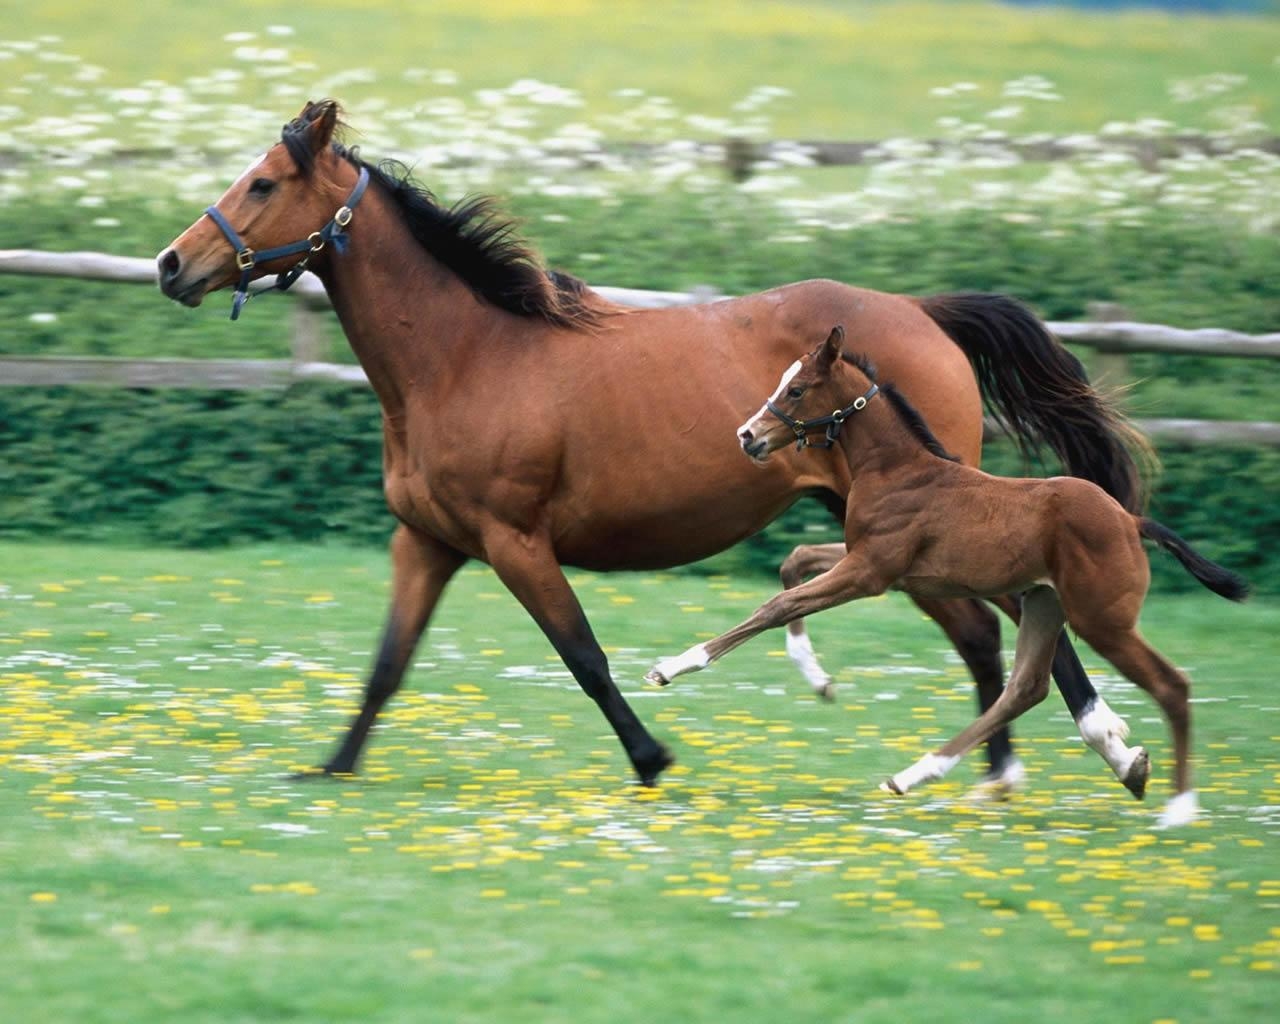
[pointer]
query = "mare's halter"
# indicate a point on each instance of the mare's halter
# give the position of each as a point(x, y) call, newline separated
point(246, 258)
point(832, 421)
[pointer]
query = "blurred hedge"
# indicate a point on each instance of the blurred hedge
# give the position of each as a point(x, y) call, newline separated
point(197, 469)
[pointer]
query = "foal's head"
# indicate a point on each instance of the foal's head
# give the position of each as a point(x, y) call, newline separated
point(815, 387)
point(287, 195)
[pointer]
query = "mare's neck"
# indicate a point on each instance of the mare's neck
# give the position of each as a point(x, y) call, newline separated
point(402, 310)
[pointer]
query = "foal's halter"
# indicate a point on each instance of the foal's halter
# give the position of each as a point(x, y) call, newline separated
point(833, 421)
point(247, 259)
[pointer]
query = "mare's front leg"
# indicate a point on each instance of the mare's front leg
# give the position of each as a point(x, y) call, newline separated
point(852, 577)
point(1041, 622)
point(529, 568)
point(421, 566)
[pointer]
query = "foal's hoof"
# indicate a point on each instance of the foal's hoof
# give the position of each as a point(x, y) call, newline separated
point(654, 765)
point(1135, 779)
point(656, 678)
point(827, 693)
point(890, 785)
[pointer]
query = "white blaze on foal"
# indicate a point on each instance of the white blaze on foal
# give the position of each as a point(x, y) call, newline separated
point(787, 378)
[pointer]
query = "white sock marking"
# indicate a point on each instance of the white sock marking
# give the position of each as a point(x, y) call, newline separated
point(1105, 732)
point(928, 768)
point(800, 651)
point(693, 660)
point(1180, 810)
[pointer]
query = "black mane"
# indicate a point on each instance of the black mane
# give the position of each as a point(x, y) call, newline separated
point(473, 238)
point(907, 413)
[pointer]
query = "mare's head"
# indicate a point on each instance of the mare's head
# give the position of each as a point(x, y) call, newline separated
point(285, 199)
point(811, 388)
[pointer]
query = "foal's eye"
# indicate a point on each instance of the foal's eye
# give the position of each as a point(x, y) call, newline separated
point(261, 187)
point(795, 393)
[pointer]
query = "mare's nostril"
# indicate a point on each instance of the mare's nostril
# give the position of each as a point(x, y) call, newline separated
point(745, 436)
point(170, 264)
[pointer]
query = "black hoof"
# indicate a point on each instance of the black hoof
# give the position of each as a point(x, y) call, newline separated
point(1139, 772)
point(654, 765)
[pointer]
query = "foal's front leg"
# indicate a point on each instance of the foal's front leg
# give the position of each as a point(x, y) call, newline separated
point(852, 577)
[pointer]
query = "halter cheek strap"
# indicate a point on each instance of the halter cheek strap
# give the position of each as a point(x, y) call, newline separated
point(833, 421)
point(247, 259)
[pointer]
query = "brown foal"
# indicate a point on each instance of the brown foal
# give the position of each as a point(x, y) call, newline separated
point(919, 521)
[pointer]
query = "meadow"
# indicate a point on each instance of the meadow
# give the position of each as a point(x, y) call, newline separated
point(493, 858)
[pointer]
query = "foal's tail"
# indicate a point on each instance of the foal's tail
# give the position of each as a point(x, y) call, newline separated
point(1040, 393)
point(1215, 577)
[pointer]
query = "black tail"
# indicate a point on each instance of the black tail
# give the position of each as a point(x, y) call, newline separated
point(1215, 577)
point(1041, 395)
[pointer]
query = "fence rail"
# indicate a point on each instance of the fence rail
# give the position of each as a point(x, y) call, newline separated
point(1114, 339)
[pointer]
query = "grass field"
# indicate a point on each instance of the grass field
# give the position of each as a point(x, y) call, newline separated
point(494, 863)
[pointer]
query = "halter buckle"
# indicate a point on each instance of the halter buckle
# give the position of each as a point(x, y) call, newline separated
point(244, 259)
point(316, 240)
point(343, 217)
point(860, 402)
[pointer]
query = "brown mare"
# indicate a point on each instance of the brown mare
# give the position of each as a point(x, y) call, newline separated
point(918, 520)
point(513, 399)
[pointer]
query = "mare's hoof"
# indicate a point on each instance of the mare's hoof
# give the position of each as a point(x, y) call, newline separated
point(1135, 779)
point(890, 785)
point(656, 678)
point(827, 693)
point(651, 767)
point(323, 771)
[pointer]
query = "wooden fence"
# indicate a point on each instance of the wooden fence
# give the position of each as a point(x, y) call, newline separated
point(1112, 339)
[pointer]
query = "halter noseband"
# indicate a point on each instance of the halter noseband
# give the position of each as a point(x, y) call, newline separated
point(247, 259)
point(832, 421)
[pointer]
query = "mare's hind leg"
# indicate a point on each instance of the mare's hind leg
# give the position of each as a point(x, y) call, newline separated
point(806, 561)
point(1143, 665)
point(529, 568)
point(1042, 619)
point(420, 568)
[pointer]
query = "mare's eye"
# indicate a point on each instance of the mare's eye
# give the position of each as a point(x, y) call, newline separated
point(795, 393)
point(261, 187)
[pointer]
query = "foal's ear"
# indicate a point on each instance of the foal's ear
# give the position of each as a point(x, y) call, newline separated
point(830, 350)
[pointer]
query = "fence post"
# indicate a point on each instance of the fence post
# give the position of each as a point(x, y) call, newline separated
point(1108, 369)
point(307, 340)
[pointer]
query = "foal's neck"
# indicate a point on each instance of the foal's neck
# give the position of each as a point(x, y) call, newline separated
point(875, 439)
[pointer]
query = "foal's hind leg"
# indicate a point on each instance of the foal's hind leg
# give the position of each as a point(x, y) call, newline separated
point(805, 561)
point(1042, 619)
point(1146, 667)
point(420, 568)
point(974, 631)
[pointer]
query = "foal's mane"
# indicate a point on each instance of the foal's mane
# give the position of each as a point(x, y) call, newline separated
point(473, 238)
point(908, 414)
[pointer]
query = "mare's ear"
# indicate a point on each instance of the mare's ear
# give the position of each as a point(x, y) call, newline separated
point(320, 120)
point(830, 350)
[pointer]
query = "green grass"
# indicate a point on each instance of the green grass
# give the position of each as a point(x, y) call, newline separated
point(856, 69)
point(493, 862)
